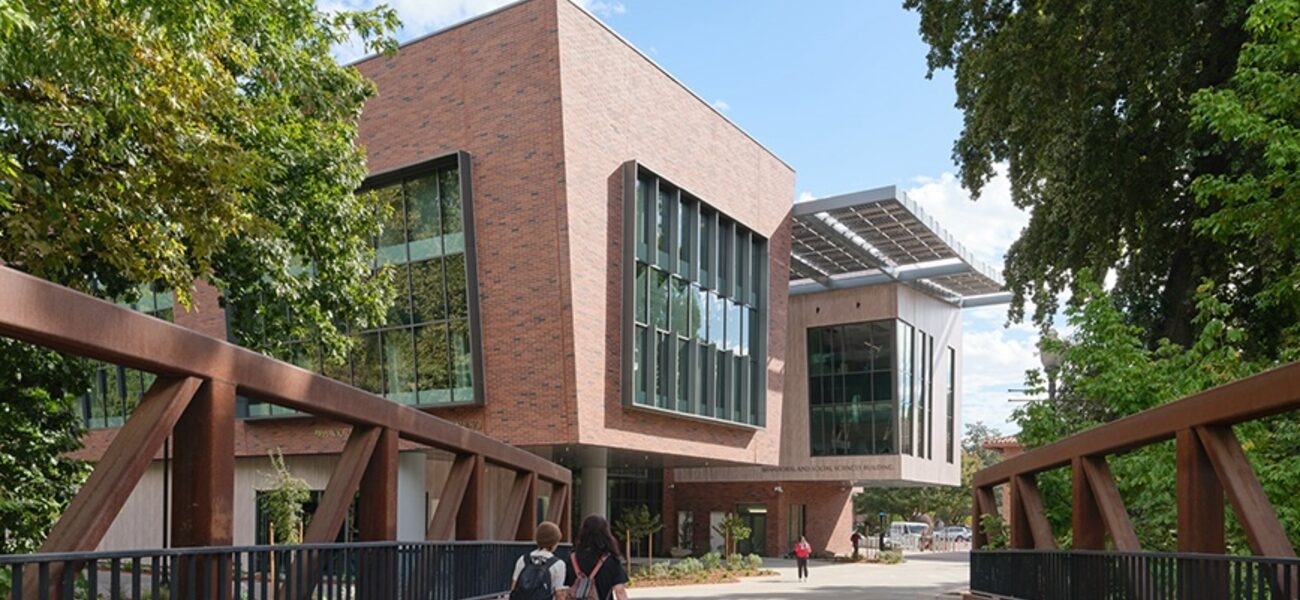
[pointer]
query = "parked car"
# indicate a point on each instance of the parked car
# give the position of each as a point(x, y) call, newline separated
point(955, 533)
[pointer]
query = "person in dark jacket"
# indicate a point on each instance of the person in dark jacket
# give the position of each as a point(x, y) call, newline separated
point(595, 556)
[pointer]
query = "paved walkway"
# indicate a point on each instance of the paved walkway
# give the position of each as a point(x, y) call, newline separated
point(922, 576)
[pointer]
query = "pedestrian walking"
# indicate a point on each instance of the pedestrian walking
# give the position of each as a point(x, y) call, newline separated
point(802, 551)
point(597, 572)
point(539, 575)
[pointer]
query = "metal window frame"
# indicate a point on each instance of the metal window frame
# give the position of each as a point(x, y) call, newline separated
point(707, 393)
point(464, 164)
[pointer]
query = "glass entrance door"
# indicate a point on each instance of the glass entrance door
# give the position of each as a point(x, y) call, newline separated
point(755, 518)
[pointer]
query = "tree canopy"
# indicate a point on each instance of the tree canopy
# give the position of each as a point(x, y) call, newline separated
point(942, 503)
point(160, 142)
point(149, 142)
point(1090, 104)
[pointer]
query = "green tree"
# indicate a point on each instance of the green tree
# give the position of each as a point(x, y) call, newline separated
point(163, 142)
point(637, 523)
point(732, 529)
point(283, 502)
point(1088, 105)
point(940, 502)
point(38, 427)
point(1108, 372)
point(1255, 117)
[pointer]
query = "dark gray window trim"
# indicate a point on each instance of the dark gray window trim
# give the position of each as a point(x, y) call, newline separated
point(628, 325)
point(464, 165)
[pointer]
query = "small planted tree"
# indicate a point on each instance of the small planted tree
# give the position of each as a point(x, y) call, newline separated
point(283, 502)
point(732, 529)
point(637, 523)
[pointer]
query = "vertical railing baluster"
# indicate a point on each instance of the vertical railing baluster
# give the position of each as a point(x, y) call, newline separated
point(17, 581)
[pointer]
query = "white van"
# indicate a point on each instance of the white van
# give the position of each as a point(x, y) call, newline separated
point(906, 535)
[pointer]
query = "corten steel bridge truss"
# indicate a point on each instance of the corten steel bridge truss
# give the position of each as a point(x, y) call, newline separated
point(1211, 464)
point(193, 399)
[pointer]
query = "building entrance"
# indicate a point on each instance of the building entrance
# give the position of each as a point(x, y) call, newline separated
point(755, 518)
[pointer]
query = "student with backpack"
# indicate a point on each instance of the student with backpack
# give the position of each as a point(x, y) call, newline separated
point(595, 571)
point(539, 575)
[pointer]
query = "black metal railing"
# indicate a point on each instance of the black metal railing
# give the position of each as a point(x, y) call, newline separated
point(371, 570)
point(1095, 575)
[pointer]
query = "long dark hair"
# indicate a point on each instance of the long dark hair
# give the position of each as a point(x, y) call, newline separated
point(595, 535)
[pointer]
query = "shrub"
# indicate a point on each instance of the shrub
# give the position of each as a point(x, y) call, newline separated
point(689, 566)
point(735, 562)
point(754, 562)
point(711, 561)
point(657, 571)
point(891, 557)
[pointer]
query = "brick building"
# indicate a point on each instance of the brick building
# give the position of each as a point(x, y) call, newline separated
point(596, 265)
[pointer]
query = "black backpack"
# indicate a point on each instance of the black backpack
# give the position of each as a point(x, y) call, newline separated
point(534, 581)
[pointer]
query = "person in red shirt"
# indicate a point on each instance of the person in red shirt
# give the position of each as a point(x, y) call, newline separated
point(802, 551)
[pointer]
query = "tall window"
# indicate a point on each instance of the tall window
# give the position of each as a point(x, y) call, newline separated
point(951, 386)
point(697, 282)
point(424, 353)
point(850, 396)
point(906, 385)
point(115, 391)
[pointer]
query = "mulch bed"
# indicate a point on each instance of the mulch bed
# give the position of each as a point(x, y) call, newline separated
point(718, 576)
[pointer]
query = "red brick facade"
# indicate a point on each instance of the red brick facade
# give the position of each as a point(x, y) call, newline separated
point(828, 511)
point(550, 105)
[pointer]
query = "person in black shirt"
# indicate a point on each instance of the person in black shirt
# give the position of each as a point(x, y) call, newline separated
point(594, 542)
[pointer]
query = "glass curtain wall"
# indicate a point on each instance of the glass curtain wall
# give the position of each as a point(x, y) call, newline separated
point(700, 295)
point(115, 391)
point(850, 395)
point(422, 354)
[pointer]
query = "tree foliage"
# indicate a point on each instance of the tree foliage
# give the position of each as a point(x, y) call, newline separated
point(39, 424)
point(283, 501)
point(1108, 373)
point(938, 502)
point(1256, 119)
point(733, 530)
point(1089, 105)
point(636, 523)
point(161, 142)
point(164, 142)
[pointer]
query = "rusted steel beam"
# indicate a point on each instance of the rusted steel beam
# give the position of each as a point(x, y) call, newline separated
point(443, 524)
point(469, 519)
point(1111, 505)
point(1263, 530)
point(1086, 524)
point(377, 508)
point(1261, 395)
point(1018, 529)
point(982, 503)
point(62, 319)
point(203, 469)
point(1035, 514)
point(515, 523)
point(1199, 496)
point(332, 511)
point(559, 499)
point(92, 511)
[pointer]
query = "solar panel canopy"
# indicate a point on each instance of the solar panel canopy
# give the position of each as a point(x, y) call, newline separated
point(879, 236)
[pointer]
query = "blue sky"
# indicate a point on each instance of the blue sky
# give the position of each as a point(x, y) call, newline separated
point(837, 88)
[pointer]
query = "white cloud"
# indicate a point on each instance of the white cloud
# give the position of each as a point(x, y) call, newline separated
point(806, 196)
point(721, 105)
point(986, 226)
point(996, 357)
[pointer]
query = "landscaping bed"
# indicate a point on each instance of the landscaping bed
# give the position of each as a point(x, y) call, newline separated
point(709, 568)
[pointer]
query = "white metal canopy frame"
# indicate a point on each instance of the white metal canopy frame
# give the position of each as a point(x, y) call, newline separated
point(880, 236)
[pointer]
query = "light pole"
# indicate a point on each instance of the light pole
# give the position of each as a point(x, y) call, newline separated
point(1051, 359)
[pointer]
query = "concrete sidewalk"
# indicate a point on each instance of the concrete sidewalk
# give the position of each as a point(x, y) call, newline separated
point(922, 576)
